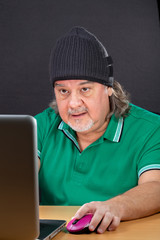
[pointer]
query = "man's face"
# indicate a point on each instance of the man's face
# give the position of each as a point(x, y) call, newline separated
point(83, 104)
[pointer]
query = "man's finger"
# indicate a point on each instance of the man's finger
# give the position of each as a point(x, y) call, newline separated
point(115, 223)
point(95, 220)
point(106, 221)
point(86, 208)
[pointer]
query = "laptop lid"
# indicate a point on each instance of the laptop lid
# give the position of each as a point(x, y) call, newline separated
point(19, 202)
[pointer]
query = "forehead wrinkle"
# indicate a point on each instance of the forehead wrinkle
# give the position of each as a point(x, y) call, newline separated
point(81, 83)
point(86, 82)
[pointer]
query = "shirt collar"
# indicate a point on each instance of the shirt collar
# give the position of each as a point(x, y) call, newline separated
point(114, 129)
point(112, 133)
point(69, 132)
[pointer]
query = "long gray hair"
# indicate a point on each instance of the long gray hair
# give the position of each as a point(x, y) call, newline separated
point(119, 102)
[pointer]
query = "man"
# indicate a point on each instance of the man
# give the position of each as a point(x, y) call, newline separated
point(96, 149)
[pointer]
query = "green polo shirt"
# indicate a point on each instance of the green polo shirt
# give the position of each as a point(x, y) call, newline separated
point(106, 168)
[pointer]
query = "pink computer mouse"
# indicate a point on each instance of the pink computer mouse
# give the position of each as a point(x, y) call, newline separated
point(80, 225)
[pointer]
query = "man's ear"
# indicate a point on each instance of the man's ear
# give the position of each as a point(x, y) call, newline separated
point(110, 91)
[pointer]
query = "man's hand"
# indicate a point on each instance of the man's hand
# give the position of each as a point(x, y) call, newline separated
point(107, 215)
point(140, 201)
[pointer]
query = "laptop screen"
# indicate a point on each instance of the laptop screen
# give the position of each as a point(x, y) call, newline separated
point(19, 201)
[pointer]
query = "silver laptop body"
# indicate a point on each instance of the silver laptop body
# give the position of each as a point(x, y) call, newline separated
point(19, 197)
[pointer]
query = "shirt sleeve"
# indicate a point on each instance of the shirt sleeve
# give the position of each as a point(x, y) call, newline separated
point(41, 126)
point(150, 156)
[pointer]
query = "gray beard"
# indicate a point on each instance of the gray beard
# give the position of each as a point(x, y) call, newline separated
point(78, 128)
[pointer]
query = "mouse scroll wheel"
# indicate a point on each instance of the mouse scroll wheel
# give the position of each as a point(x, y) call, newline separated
point(75, 221)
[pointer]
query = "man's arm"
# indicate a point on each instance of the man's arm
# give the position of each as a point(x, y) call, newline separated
point(140, 201)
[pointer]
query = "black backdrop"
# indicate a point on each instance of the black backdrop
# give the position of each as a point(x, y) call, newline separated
point(129, 29)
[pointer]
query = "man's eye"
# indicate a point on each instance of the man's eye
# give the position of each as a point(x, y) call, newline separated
point(85, 89)
point(63, 91)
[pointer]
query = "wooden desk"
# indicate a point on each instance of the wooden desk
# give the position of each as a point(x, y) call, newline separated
point(142, 229)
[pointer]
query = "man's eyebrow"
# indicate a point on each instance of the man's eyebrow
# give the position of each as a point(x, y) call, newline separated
point(59, 85)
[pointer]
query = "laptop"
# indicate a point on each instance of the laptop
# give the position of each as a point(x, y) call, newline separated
point(19, 195)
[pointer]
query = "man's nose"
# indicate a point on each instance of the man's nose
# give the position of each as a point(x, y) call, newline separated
point(75, 100)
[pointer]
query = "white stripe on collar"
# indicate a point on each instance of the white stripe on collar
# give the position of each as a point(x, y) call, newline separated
point(118, 130)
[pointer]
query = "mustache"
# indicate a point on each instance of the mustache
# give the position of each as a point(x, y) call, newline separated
point(78, 110)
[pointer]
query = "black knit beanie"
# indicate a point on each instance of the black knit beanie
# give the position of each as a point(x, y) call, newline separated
point(80, 55)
